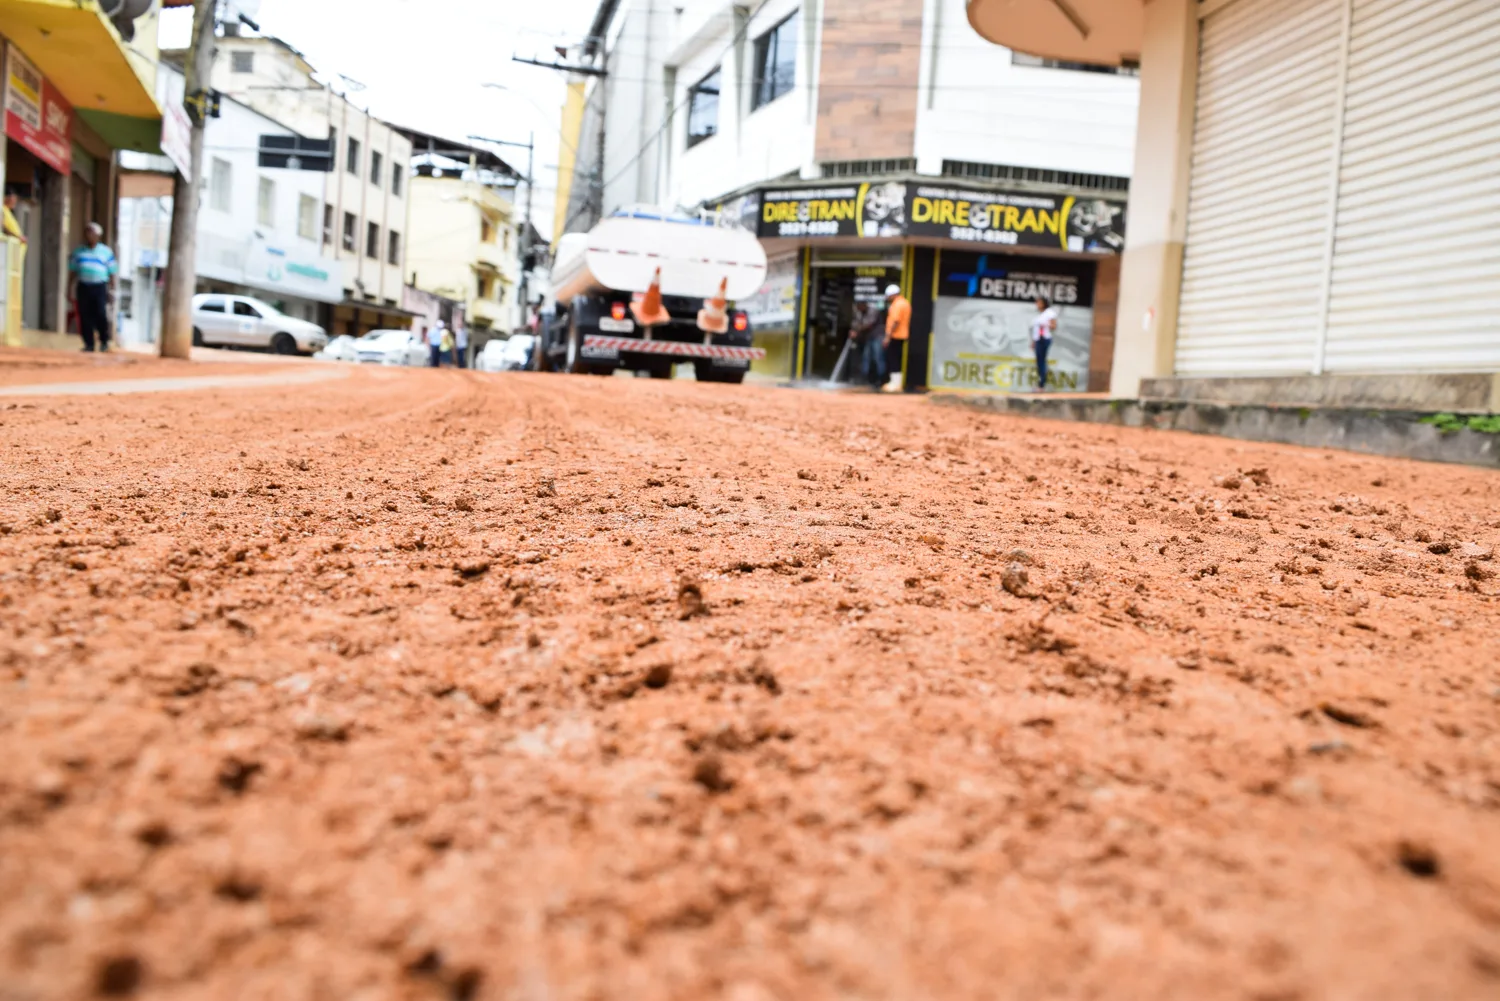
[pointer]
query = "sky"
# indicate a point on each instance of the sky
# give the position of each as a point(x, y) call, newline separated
point(422, 64)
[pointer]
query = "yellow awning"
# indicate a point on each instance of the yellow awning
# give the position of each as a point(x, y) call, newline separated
point(80, 53)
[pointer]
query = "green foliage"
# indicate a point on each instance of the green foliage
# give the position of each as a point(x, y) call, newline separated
point(1453, 423)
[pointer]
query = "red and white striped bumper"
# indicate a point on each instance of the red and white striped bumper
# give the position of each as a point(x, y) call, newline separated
point(640, 346)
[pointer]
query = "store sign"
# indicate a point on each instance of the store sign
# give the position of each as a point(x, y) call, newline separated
point(36, 116)
point(1017, 219)
point(860, 210)
point(981, 334)
point(275, 268)
point(177, 137)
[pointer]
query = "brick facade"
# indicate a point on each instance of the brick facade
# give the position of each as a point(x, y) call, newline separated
point(867, 79)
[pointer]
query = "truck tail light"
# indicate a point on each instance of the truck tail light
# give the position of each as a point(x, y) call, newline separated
point(741, 322)
point(617, 311)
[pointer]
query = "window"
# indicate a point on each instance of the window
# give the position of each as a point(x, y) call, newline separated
point(242, 62)
point(307, 217)
point(265, 203)
point(703, 109)
point(375, 159)
point(349, 222)
point(243, 308)
point(396, 179)
point(220, 180)
point(353, 157)
point(372, 240)
point(775, 63)
point(393, 253)
point(486, 231)
point(327, 223)
point(211, 306)
point(1022, 59)
point(505, 240)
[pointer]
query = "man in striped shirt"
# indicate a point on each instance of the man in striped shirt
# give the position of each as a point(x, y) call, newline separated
point(93, 268)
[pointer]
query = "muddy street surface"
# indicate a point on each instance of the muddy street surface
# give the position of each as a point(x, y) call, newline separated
point(444, 685)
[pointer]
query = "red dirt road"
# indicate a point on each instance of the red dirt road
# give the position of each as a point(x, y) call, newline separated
point(443, 685)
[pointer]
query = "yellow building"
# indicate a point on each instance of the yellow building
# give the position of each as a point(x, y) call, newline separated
point(465, 241)
point(76, 92)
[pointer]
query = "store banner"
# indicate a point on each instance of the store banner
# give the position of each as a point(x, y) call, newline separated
point(860, 210)
point(36, 116)
point(276, 268)
point(1017, 219)
point(774, 304)
point(981, 330)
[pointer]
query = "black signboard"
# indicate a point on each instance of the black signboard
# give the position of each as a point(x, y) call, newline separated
point(1016, 219)
point(861, 210)
point(1060, 280)
point(296, 153)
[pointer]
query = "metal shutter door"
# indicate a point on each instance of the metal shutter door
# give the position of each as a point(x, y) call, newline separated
point(1416, 266)
point(1260, 195)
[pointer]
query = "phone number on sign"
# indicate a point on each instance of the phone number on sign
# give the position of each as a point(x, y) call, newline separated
point(982, 235)
point(808, 229)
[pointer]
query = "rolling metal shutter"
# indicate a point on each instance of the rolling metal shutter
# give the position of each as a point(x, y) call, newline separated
point(1260, 197)
point(1416, 262)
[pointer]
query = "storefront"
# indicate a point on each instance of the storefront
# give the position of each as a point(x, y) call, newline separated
point(972, 260)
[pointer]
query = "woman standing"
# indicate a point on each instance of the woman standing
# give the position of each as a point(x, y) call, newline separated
point(1043, 326)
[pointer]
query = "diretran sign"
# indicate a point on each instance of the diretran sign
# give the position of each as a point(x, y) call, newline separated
point(36, 116)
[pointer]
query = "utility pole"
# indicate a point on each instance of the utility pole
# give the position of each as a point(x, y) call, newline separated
point(182, 268)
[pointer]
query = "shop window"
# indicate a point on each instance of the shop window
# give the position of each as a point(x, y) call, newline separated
point(703, 109)
point(375, 162)
point(349, 224)
point(307, 217)
point(220, 185)
point(396, 179)
point(242, 62)
point(775, 63)
point(353, 157)
point(265, 203)
point(372, 240)
point(393, 255)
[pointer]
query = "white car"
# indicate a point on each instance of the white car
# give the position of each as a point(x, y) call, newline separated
point(510, 355)
point(341, 348)
point(240, 321)
point(391, 347)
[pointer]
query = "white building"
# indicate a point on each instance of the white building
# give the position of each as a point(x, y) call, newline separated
point(258, 228)
point(866, 141)
point(364, 206)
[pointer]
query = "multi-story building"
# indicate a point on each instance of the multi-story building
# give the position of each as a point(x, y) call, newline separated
point(871, 142)
point(365, 204)
point(465, 237)
point(259, 231)
point(1314, 220)
point(75, 94)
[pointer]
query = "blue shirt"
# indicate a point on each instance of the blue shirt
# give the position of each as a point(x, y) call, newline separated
point(93, 265)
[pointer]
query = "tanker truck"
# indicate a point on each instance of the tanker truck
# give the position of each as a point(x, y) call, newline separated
point(647, 288)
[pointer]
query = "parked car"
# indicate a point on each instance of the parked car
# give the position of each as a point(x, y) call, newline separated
point(510, 355)
point(341, 348)
point(240, 321)
point(391, 347)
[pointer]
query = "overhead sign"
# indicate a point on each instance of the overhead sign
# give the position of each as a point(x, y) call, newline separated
point(981, 325)
point(1017, 219)
point(36, 116)
point(177, 137)
point(862, 210)
point(296, 153)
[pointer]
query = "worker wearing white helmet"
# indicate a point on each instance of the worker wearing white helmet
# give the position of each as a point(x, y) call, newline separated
point(897, 330)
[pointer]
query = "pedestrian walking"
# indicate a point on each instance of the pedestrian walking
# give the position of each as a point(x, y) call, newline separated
point(461, 345)
point(93, 269)
point(435, 334)
point(1043, 326)
point(897, 330)
point(864, 331)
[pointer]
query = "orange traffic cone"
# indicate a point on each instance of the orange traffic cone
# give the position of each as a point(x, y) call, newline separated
point(648, 310)
point(712, 319)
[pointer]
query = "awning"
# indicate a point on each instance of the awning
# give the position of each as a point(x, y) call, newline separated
point(79, 52)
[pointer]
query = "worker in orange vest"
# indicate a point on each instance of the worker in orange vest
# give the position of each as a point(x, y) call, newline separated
point(897, 330)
